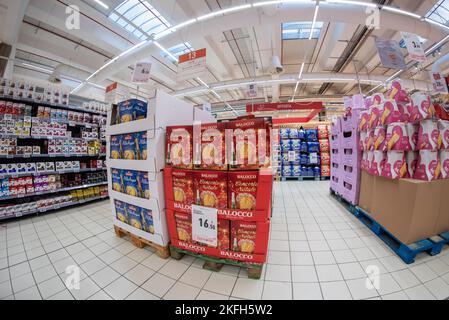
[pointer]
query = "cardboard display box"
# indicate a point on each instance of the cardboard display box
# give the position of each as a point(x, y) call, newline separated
point(410, 209)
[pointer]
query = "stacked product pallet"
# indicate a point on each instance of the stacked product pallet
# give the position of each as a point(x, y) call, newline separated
point(49, 150)
point(323, 136)
point(300, 153)
point(346, 155)
point(230, 180)
point(135, 152)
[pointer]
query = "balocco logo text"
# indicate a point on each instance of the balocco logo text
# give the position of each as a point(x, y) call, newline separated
point(246, 177)
point(237, 255)
point(191, 246)
point(242, 214)
point(182, 206)
point(209, 176)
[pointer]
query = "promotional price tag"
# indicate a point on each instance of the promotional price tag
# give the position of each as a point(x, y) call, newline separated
point(291, 156)
point(204, 225)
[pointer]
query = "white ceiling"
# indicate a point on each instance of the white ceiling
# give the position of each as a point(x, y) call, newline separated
point(237, 49)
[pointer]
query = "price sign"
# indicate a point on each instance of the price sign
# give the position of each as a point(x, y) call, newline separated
point(141, 72)
point(414, 47)
point(314, 158)
point(291, 156)
point(204, 225)
point(192, 65)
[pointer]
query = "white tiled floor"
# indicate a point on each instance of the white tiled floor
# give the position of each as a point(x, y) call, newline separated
point(317, 251)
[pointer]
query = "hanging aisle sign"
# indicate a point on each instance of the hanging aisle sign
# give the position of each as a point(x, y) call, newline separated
point(414, 47)
point(390, 54)
point(205, 225)
point(251, 91)
point(438, 82)
point(192, 65)
point(141, 72)
point(110, 93)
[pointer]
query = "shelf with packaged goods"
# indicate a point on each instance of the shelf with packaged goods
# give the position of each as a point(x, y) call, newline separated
point(52, 120)
point(27, 195)
point(34, 137)
point(58, 155)
point(51, 105)
point(24, 174)
point(51, 208)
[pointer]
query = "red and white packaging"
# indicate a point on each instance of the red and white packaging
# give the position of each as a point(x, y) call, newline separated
point(412, 132)
point(391, 113)
point(369, 161)
point(364, 163)
point(377, 162)
point(422, 107)
point(428, 166)
point(411, 158)
point(379, 138)
point(370, 140)
point(363, 140)
point(443, 141)
point(444, 163)
point(376, 112)
point(377, 99)
point(395, 166)
point(397, 93)
point(397, 138)
point(364, 120)
point(428, 135)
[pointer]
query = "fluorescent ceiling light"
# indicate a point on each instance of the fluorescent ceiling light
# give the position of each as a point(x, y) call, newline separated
point(437, 45)
point(224, 11)
point(436, 23)
point(183, 24)
point(312, 29)
point(357, 3)
point(300, 71)
point(96, 85)
point(37, 68)
point(394, 76)
point(202, 82)
point(165, 50)
point(290, 31)
point(101, 3)
point(77, 88)
point(265, 3)
point(397, 10)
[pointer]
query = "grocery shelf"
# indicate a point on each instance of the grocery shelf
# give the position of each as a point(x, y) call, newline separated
point(58, 155)
point(54, 207)
point(24, 174)
point(13, 136)
point(52, 191)
point(48, 104)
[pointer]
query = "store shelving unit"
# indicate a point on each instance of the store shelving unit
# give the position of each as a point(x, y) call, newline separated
point(163, 110)
point(14, 199)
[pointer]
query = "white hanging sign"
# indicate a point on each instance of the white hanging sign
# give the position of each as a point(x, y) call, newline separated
point(251, 91)
point(438, 82)
point(414, 47)
point(141, 72)
point(192, 65)
point(204, 225)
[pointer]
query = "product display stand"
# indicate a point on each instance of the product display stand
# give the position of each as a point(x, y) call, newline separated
point(45, 172)
point(214, 257)
point(163, 110)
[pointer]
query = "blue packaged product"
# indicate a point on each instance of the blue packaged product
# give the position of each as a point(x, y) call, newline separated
point(285, 157)
point(317, 172)
point(129, 147)
point(132, 109)
point(296, 145)
point(147, 219)
point(311, 135)
point(284, 133)
point(293, 133)
point(286, 145)
point(140, 109)
point(3, 168)
point(134, 216)
point(116, 147)
point(302, 133)
point(117, 181)
point(313, 147)
point(310, 172)
point(296, 171)
point(286, 171)
point(120, 211)
point(304, 159)
point(303, 147)
point(145, 185)
point(125, 112)
point(131, 184)
point(141, 145)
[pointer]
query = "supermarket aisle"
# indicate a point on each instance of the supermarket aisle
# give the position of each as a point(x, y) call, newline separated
point(317, 250)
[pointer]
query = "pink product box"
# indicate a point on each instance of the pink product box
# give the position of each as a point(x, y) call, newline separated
point(444, 163)
point(351, 173)
point(364, 118)
point(422, 107)
point(428, 135)
point(395, 165)
point(428, 167)
point(351, 155)
point(358, 102)
point(336, 155)
point(335, 142)
point(379, 138)
point(336, 127)
point(394, 112)
point(376, 162)
point(351, 123)
point(351, 191)
point(397, 137)
point(443, 141)
point(350, 139)
point(336, 183)
point(376, 111)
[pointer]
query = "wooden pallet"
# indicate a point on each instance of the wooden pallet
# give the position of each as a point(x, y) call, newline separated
point(407, 252)
point(162, 252)
point(301, 178)
point(215, 264)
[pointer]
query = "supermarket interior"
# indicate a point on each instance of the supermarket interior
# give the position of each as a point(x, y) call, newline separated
point(224, 150)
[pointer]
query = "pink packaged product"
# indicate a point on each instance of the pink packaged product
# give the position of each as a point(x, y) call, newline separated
point(364, 163)
point(443, 128)
point(364, 120)
point(397, 138)
point(412, 132)
point(376, 111)
point(397, 93)
point(363, 140)
point(444, 163)
point(379, 138)
point(422, 107)
point(392, 112)
point(428, 166)
point(370, 140)
point(428, 135)
point(377, 162)
point(395, 166)
point(411, 158)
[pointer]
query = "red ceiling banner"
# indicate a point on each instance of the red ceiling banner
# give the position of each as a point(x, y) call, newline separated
point(284, 106)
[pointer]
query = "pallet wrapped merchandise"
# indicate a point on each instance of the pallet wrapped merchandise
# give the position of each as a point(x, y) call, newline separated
point(410, 209)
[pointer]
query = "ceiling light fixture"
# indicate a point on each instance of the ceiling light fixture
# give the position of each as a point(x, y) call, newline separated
point(300, 71)
point(224, 11)
point(37, 68)
point(436, 23)
point(356, 3)
point(312, 29)
point(202, 82)
point(101, 3)
point(168, 53)
point(403, 12)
